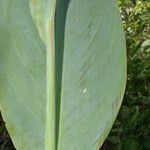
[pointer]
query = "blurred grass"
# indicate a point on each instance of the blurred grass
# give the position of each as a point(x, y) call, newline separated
point(131, 130)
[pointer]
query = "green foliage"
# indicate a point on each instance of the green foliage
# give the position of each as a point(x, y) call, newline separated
point(62, 76)
point(131, 130)
point(132, 127)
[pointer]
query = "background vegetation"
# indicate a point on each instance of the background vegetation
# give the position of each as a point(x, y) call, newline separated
point(131, 130)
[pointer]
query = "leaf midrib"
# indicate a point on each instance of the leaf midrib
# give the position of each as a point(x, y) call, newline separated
point(55, 50)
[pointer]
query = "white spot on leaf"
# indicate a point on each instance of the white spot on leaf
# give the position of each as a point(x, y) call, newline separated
point(84, 91)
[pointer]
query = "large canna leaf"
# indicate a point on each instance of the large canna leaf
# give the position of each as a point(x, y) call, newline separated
point(62, 72)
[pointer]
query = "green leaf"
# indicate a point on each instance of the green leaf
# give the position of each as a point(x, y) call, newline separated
point(62, 72)
point(22, 76)
point(146, 43)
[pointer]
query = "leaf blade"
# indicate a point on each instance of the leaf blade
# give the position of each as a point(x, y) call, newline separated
point(22, 76)
point(94, 73)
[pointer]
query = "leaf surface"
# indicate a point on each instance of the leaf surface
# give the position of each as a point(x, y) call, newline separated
point(22, 76)
point(62, 72)
point(94, 73)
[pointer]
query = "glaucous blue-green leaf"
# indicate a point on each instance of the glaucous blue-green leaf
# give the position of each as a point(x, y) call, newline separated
point(62, 72)
point(22, 76)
